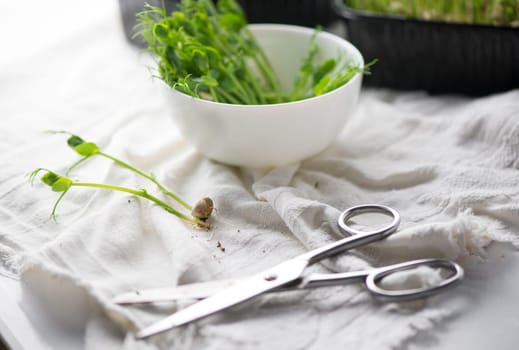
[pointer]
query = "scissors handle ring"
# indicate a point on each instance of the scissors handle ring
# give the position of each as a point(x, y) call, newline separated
point(365, 209)
point(373, 279)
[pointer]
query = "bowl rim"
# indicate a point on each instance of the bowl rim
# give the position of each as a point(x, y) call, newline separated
point(294, 28)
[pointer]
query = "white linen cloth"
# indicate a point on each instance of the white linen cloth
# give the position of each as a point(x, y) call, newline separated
point(447, 164)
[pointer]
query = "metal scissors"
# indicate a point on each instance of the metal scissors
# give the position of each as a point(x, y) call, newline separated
point(289, 275)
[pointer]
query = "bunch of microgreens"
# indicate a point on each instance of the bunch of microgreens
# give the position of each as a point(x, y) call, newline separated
point(497, 12)
point(207, 51)
point(62, 184)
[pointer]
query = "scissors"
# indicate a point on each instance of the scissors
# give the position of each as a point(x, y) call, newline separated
point(289, 275)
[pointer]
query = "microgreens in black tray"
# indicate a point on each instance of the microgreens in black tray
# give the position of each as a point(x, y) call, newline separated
point(62, 184)
point(207, 51)
point(496, 12)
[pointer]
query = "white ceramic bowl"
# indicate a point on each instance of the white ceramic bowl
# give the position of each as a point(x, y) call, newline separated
point(276, 134)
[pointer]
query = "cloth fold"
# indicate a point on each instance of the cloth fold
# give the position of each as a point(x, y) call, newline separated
point(448, 164)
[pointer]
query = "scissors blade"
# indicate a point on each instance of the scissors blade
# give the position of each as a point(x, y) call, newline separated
point(237, 293)
point(202, 290)
point(199, 290)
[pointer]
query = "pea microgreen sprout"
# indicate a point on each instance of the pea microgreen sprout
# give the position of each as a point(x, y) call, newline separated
point(207, 51)
point(90, 149)
point(57, 183)
point(317, 79)
point(62, 184)
point(203, 50)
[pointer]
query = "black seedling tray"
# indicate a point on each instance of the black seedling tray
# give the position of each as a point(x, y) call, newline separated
point(309, 13)
point(437, 57)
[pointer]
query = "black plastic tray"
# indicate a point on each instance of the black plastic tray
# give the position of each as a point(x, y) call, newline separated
point(309, 13)
point(437, 57)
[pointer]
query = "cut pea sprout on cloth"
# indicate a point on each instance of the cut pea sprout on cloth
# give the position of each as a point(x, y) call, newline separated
point(449, 165)
point(61, 184)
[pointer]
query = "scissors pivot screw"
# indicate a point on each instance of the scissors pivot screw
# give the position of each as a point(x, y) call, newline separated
point(270, 277)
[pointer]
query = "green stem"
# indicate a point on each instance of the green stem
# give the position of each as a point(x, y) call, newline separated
point(227, 96)
point(267, 72)
point(256, 89)
point(76, 164)
point(263, 63)
point(149, 177)
point(53, 212)
point(213, 94)
point(241, 90)
point(144, 194)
